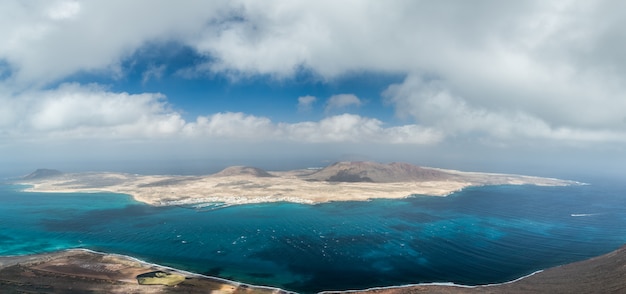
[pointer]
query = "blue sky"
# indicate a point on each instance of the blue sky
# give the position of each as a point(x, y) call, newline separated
point(532, 87)
point(158, 67)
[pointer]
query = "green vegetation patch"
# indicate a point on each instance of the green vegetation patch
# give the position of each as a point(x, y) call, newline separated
point(160, 278)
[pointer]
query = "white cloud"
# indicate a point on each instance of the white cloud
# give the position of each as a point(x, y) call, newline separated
point(45, 41)
point(305, 103)
point(432, 104)
point(64, 10)
point(73, 112)
point(536, 39)
point(345, 128)
point(153, 72)
point(72, 106)
point(357, 129)
point(521, 66)
point(544, 70)
point(231, 125)
point(341, 101)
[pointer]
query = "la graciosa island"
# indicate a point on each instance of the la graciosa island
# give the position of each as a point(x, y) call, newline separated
point(341, 181)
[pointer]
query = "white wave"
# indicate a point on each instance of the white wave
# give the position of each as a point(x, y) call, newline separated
point(448, 284)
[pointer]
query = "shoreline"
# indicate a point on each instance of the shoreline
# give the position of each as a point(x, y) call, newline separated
point(151, 264)
point(435, 287)
point(38, 258)
point(35, 257)
point(444, 284)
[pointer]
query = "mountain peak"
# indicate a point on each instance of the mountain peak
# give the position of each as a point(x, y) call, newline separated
point(42, 173)
point(243, 170)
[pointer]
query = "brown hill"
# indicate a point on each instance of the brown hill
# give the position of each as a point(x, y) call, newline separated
point(243, 170)
point(374, 172)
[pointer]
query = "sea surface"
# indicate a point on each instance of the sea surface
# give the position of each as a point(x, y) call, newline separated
point(480, 235)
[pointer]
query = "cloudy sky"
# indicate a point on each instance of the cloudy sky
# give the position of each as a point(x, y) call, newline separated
point(518, 86)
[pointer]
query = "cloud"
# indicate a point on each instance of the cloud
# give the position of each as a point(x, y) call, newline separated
point(230, 125)
point(345, 128)
point(497, 71)
point(305, 103)
point(46, 41)
point(434, 105)
point(76, 112)
point(335, 38)
point(64, 10)
point(529, 69)
point(73, 111)
point(341, 101)
point(280, 37)
point(356, 129)
point(153, 72)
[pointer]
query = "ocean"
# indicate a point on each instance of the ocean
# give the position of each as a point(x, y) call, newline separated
point(480, 235)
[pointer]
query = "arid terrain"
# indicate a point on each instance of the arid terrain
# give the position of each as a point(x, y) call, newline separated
point(342, 181)
point(82, 271)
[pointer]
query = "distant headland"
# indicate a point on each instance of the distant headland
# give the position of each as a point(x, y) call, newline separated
point(341, 181)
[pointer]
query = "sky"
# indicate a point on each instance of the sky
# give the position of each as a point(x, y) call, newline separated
point(534, 87)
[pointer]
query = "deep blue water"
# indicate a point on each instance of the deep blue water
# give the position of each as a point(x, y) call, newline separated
point(476, 236)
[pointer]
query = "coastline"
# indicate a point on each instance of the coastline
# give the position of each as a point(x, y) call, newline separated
point(186, 273)
point(239, 190)
point(114, 260)
point(607, 265)
point(439, 284)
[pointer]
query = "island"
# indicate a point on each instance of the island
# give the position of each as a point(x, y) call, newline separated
point(341, 181)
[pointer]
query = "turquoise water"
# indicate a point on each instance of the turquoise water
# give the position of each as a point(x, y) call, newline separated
point(476, 236)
